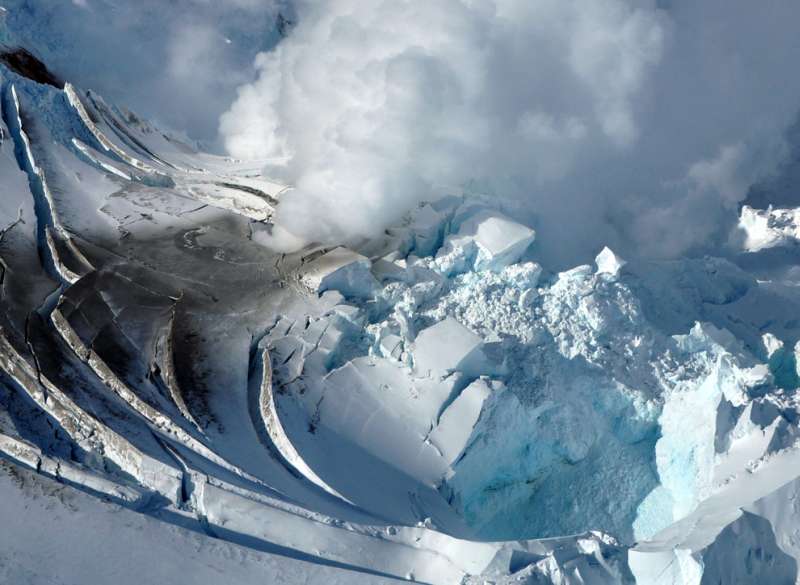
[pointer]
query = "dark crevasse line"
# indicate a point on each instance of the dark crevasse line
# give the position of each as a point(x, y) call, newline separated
point(44, 213)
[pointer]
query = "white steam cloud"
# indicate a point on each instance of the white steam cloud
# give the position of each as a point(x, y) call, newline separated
point(178, 61)
point(637, 124)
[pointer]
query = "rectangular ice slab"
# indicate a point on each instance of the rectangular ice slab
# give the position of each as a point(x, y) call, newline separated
point(340, 269)
point(500, 240)
point(448, 346)
point(456, 424)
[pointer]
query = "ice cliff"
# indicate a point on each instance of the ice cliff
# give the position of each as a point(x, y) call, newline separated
point(580, 404)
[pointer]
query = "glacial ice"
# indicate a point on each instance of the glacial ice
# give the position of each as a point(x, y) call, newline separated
point(458, 421)
point(447, 346)
point(768, 228)
point(500, 240)
point(340, 269)
point(436, 403)
point(594, 392)
point(609, 263)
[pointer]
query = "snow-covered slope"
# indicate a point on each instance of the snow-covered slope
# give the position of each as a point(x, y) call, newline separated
point(436, 405)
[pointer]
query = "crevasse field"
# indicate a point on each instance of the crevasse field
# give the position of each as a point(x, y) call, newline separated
point(448, 292)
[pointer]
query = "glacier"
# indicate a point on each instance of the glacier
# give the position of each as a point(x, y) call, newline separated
point(436, 405)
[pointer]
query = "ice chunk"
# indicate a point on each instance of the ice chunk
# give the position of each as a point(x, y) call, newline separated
point(388, 343)
point(427, 227)
point(771, 344)
point(340, 269)
point(348, 318)
point(448, 346)
point(330, 340)
point(768, 228)
point(389, 270)
point(704, 336)
point(330, 298)
point(500, 240)
point(458, 420)
point(797, 357)
point(456, 256)
point(527, 298)
point(608, 262)
point(392, 346)
point(523, 276)
point(367, 401)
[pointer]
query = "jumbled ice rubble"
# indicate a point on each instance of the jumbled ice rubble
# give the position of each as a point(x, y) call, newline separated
point(396, 374)
point(458, 382)
point(376, 370)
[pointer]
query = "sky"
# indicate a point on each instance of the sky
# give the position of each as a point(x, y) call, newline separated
point(635, 124)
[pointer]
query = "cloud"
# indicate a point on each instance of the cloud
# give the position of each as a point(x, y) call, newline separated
point(611, 120)
point(635, 124)
point(178, 62)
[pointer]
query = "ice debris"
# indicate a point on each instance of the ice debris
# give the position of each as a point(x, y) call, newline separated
point(608, 262)
point(340, 269)
point(448, 346)
point(457, 423)
point(549, 390)
point(768, 228)
point(486, 240)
